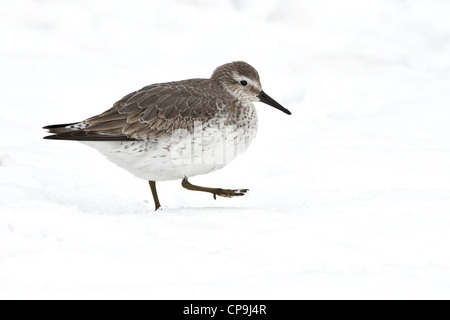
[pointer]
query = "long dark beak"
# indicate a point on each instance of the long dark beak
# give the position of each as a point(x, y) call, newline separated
point(263, 97)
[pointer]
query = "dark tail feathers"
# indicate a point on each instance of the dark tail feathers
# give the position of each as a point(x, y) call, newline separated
point(69, 131)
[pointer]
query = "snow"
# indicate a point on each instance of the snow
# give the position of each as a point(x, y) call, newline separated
point(350, 196)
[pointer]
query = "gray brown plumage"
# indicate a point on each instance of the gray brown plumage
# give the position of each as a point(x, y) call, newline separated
point(144, 121)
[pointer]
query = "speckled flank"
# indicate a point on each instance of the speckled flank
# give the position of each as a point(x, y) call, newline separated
point(210, 146)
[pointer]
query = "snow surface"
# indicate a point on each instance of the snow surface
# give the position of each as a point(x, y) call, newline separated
point(350, 196)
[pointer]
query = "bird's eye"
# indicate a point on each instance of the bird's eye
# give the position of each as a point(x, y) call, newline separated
point(243, 82)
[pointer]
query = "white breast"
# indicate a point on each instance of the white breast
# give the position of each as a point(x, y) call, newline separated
point(210, 147)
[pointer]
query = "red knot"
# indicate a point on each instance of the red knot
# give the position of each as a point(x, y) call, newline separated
point(176, 130)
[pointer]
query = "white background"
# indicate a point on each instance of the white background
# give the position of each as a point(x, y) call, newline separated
point(350, 196)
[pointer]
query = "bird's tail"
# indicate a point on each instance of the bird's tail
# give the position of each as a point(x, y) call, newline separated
point(76, 131)
point(61, 129)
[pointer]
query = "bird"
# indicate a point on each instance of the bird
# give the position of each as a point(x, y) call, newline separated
point(177, 130)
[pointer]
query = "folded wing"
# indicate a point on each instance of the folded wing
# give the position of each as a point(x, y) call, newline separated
point(148, 113)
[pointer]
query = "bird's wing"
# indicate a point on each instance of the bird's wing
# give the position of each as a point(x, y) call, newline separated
point(148, 113)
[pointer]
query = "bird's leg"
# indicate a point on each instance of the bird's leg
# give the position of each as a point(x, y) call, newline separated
point(155, 194)
point(215, 191)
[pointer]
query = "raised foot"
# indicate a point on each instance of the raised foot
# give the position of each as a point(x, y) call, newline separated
point(227, 193)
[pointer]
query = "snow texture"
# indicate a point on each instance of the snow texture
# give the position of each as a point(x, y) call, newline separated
point(350, 196)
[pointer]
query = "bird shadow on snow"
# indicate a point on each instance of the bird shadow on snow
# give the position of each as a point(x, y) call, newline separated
point(193, 210)
point(147, 209)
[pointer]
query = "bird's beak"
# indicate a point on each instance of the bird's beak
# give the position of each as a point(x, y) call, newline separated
point(263, 97)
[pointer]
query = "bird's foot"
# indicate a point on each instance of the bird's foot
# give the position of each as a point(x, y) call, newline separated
point(228, 193)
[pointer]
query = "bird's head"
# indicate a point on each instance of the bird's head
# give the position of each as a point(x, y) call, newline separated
point(241, 80)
